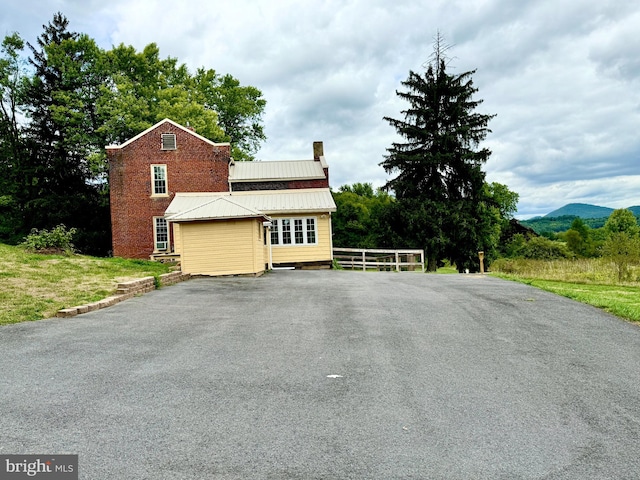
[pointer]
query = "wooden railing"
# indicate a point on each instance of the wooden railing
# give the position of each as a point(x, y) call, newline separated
point(379, 259)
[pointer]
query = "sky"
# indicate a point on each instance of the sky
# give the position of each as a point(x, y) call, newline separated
point(561, 76)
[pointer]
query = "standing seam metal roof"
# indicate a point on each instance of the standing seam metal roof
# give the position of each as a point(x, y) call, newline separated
point(265, 202)
point(280, 170)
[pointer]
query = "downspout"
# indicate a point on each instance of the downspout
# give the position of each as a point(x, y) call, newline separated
point(269, 246)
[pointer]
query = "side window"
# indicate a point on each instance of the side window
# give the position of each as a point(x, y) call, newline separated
point(159, 180)
point(169, 141)
point(299, 233)
point(311, 230)
point(160, 234)
point(275, 240)
point(294, 231)
point(286, 231)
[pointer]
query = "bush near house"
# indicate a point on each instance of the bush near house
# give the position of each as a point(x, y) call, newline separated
point(58, 240)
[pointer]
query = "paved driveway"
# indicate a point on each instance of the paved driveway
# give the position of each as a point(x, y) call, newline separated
point(329, 375)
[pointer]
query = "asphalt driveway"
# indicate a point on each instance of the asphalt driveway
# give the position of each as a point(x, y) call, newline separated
point(329, 375)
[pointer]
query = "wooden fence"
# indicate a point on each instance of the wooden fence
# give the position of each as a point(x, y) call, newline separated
point(378, 259)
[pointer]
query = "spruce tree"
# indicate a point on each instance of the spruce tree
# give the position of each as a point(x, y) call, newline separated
point(61, 187)
point(439, 181)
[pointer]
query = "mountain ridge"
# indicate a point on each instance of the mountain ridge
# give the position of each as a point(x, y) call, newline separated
point(587, 210)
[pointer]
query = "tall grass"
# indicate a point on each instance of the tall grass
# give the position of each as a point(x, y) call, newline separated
point(596, 271)
point(591, 281)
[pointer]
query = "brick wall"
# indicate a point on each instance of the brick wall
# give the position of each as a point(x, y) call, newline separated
point(195, 166)
point(279, 185)
point(320, 183)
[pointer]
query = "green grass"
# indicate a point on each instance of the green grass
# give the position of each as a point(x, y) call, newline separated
point(590, 281)
point(35, 286)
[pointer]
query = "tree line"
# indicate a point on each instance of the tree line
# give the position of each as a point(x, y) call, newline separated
point(69, 98)
point(63, 99)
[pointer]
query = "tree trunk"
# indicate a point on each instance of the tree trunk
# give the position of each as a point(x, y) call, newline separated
point(432, 264)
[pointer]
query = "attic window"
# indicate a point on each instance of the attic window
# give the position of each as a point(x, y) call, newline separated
point(168, 141)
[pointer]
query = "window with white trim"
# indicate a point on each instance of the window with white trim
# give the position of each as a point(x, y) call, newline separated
point(169, 141)
point(275, 237)
point(294, 231)
point(159, 180)
point(160, 233)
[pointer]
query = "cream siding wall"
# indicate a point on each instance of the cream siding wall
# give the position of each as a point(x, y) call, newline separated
point(222, 247)
point(177, 245)
point(306, 253)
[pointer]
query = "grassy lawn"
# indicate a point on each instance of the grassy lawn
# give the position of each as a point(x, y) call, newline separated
point(36, 286)
point(591, 281)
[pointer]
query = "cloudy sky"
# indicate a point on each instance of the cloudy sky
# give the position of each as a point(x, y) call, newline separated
point(562, 76)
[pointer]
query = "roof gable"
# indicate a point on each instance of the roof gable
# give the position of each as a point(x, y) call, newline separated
point(216, 208)
point(159, 124)
point(263, 202)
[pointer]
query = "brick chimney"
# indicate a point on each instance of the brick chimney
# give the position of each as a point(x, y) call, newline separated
point(318, 151)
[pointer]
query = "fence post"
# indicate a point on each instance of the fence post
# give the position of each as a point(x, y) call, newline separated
point(364, 259)
point(397, 262)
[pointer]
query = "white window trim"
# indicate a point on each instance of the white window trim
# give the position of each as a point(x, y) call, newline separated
point(155, 235)
point(292, 220)
point(153, 180)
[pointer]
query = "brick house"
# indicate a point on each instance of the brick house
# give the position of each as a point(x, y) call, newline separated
point(149, 170)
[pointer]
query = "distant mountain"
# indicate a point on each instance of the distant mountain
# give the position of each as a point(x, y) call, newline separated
point(635, 210)
point(582, 210)
point(560, 220)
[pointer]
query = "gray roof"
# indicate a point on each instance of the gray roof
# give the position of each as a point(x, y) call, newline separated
point(202, 206)
point(218, 208)
point(273, 171)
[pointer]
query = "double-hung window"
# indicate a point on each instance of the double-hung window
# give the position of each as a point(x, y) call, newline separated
point(294, 231)
point(160, 234)
point(275, 237)
point(159, 180)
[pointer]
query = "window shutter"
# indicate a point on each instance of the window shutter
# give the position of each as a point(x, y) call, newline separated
point(168, 141)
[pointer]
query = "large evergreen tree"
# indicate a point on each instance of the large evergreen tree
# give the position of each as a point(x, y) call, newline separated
point(12, 147)
point(439, 182)
point(60, 185)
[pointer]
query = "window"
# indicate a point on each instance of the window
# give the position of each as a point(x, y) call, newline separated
point(159, 179)
point(311, 230)
point(160, 233)
point(169, 141)
point(286, 231)
point(275, 239)
point(294, 231)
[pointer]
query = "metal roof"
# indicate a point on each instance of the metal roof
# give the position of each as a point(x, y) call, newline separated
point(280, 170)
point(201, 206)
point(217, 208)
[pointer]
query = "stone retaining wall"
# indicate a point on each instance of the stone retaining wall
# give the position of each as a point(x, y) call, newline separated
point(124, 291)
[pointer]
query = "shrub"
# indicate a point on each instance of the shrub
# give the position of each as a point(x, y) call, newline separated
point(623, 249)
point(536, 248)
point(540, 248)
point(58, 240)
